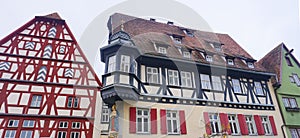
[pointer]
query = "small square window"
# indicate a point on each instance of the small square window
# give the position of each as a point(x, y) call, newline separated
point(230, 62)
point(28, 123)
point(186, 54)
point(13, 123)
point(250, 65)
point(63, 124)
point(162, 50)
point(209, 58)
point(76, 125)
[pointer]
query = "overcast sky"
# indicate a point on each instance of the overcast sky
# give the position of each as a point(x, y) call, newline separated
point(257, 25)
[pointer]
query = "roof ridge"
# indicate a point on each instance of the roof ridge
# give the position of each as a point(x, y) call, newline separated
point(54, 15)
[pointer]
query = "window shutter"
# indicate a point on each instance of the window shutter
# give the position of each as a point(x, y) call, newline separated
point(272, 122)
point(259, 126)
point(243, 124)
point(225, 123)
point(163, 121)
point(153, 117)
point(132, 119)
point(207, 123)
point(182, 122)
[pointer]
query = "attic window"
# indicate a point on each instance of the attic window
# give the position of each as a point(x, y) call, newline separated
point(186, 54)
point(177, 40)
point(162, 50)
point(288, 61)
point(188, 33)
point(230, 62)
point(250, 65)
point(209, 58)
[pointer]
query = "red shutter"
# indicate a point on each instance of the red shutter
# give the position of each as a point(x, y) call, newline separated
point(259, 125)
point(243, 124)
point(163, 121)
point(207, 123)
point(132, 119)
point(272, 122)
point(153, 117)
point(225, 123)
point(182, 122)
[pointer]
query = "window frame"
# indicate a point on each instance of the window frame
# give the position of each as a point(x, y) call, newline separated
point(203, 80)
point(162, 50)
point(297, 132)
point(34, 102)
point(14, 132)
point(215, 83)
point(75, 132)
point(13, 124)
point(296, 79)
point(251, 122)
point(26, 133)
point(250, 65)
point(73, 101)
point(173, 78)
point(30, 123)
point(111, 66)
point(209, 58)
point(288, 61)
point(235, 121)
point(105, 115)
point(151, 74)
point(77, 125)
point(236, 84)
point(143, 117)
point(125, 64)
point(266, 125)
point(186, 54)
point(287, 100)
point(177, 40)
point(258, 88)
point(230, 62)
point(171, 118)
point(215, 123)
point(64, 125)
point(59, 134)
point(185, 79)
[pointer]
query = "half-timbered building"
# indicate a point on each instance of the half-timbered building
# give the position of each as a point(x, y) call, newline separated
point(47, 86)
point(168, 80)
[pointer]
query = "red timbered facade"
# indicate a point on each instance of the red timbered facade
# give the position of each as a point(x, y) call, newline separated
point(47, 86)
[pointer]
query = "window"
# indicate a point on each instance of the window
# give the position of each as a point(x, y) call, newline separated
point(105, 113)
point(162, 50)
point(76, 125)
point(63, 124)
point(234, 125)
point(26, 134)
point(5, 66)
point(173, 77)
point(142, 119)
point(186, 79)
point(28, 123)
point(209, 58)
point(294, 133)
point(62, 134)
point(230, 62)
point(172, 122)
point(214, 123)
point(290, 102)
point(125, 63)
point(216, 83)
point(250, 125)
point(266, 125)
point(177, 40)
point(288, 61)
point(186, 54)
point(13, 123)
point(296, 79)
point(111, 64)
point(69, 73)
point(205, 81)
point(152, 75)
point(188, 33)
point(36, 101)
point(72, 102)
point(292, 79)
point(135, 67)
point(10, 134)
point(236, 86)
point(250, 65)
point(216, 46)
point(258, 88)
point(75, 135)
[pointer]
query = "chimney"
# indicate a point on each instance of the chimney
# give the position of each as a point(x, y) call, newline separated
point(151, 19)
point(170, 23)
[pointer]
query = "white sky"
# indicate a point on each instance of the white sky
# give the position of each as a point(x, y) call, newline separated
point(257, 25)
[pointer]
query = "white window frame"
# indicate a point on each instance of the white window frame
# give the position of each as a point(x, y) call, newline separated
point(36, 101)
point(76, 125)
point(296, 79)
point(111, 64)
point(230, 62)
point(63, 134)
point(73, 102)
point(28, 134)
point(186, 79)
point(105, 113)
point(236, 86)
point(144, 120)
point(152, 73)
point(162, 50)
point(258, 88)
point(234, 124)
point(290, 102)
point(294, 133)
point(250, 123)
point(173, 77)
point(177, 40)
point(15, 123)
point(216, 83)
point(266, 125)
point(173, 121)
point(10, 134)
point(28, 123)
point(125, 63)
point(75, 134)
point(63, 124)
point(215, 123)
point(250, 65)
point(205, 81)
point(186, 54)
point(209, 58)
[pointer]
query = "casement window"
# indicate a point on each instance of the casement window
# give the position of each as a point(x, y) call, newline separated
point(214, 122)
point(234, 124)
point(186, 79)
point(162, 50)
point(62, 134)
point(295, 133)
point(290, 102)
point(205, 81)
point(26, 134)
point(13, 123)
point(143, 120)
point(72, 102)
point(125, 63)
point(28, 123)
point(172, 122)
point(76, 125)
point(152, 75)
point(75, 135)
point(186, 54)
point(173, 77)
point(236, 86)
point(105, 113)
point(216, 83)
point(250, 65)
point(266, 125)
point(209, 58)
point(111, 64)
point(296, 79)
point(288, 61)
point(36, 101)
point(63, 124)
point(230, 62)
point(250, 125)
point(258, 88)
point(10, 134)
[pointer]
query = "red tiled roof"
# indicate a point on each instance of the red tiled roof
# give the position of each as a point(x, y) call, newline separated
point(53, 16)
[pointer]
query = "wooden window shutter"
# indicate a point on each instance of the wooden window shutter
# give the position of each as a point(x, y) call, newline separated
point(163, 121)
point(153, 118)
point(207, 123)
point(272, 122)
point(259, 126)
point(225, 123)
point(243, 124)
point(182, 122)
point(132, 119)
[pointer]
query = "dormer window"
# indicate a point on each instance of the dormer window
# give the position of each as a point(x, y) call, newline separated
point(209, 58)
point(230, 62)
point(216, 46)
point(250, 65)
point(188, 33)
point(177, 40)
point(186, 54)
point(162, 50)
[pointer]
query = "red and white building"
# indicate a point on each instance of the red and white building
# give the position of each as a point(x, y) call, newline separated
point(47, 86)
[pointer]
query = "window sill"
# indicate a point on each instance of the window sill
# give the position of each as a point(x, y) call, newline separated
point(289, 109)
